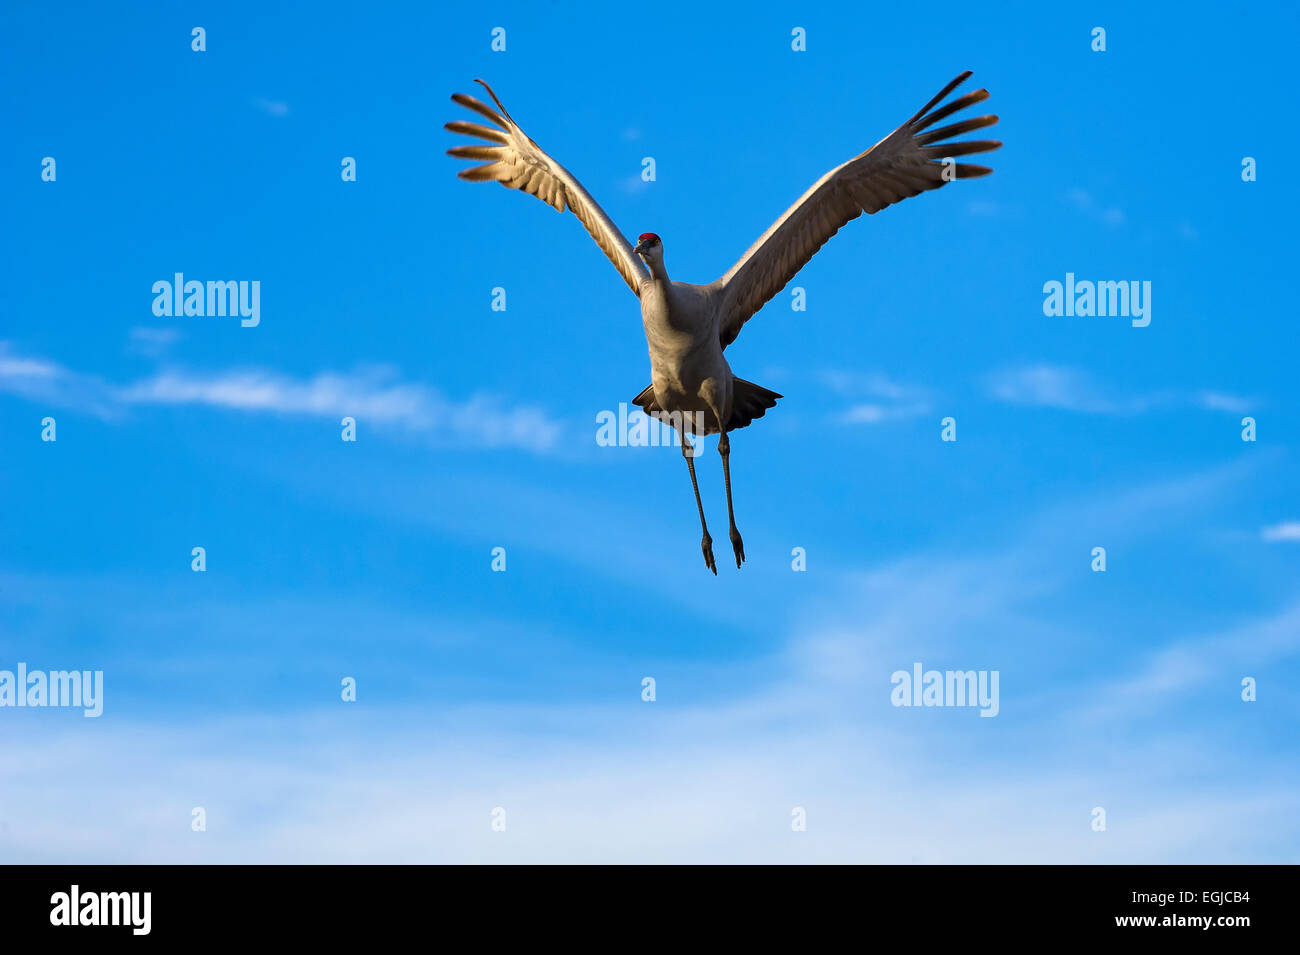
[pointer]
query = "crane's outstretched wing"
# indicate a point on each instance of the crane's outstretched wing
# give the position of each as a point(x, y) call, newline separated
point(519, 163)
point(905, 163)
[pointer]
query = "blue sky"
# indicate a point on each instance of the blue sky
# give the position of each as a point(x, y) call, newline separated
point(522, 689)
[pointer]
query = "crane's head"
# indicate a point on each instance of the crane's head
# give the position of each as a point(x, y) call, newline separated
point(649, 248)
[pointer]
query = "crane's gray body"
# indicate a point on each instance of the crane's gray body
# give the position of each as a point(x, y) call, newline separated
point(690, 377)
point(681, 332)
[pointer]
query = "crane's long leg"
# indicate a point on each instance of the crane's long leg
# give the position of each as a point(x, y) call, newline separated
point(737, 544)
point(706, 544)
point(711, 397)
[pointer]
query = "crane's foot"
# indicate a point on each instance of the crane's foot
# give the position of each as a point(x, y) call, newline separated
point(706, 545)
point(738, 546)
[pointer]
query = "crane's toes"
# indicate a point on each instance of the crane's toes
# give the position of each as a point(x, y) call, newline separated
point(738, 546)
point(706, 545)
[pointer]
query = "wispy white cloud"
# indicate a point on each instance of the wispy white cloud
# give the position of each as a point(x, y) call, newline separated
point(1190, 664)
point(256, 390)
point(634, 184)
point(1083, 200)
point(375, 395)
point(46, 382)
point(27, 369)
point(876, 398)
point(705, 786)
point(1219, 401)
point(714, 780)
point(1113, 216)
point(1285, 531)
point(1070, 389)
point(714, 777)
point(272, 107)
point(1052, 386)
point(372, 395)
point(875, 413)
point(152, 342)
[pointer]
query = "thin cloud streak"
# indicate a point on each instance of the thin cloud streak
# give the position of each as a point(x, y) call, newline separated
point(373, 395)
point(1082, 200)
point(1069, 389)
point(1195, 663)
point(889, 400)
point(272, 107)
point(1285, 531)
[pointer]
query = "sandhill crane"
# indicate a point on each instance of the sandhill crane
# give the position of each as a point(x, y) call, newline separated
point(687, 327)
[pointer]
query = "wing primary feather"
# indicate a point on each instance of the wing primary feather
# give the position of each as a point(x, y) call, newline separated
point(500, 105)
point(476, 152)
point(970, 99)
point(481, 108)
point(475, 129)
point(942, 93)
point(955, 129)
point(480, 173)
point(944, 150)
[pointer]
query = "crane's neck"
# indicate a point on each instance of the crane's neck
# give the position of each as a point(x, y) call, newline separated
point(658, 272)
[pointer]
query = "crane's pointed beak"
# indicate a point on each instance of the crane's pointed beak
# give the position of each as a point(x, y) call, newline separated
point(640, 247)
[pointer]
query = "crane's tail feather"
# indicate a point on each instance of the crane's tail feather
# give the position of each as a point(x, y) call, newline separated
point(748, 401)
point(646, 400)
